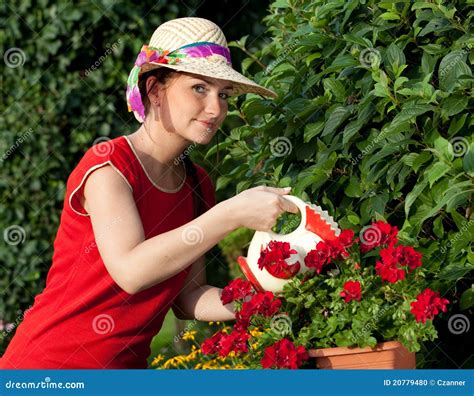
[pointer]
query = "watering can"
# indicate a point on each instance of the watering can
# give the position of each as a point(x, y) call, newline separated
point(316, 226)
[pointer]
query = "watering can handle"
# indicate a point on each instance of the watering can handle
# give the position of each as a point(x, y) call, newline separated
point(302, 208)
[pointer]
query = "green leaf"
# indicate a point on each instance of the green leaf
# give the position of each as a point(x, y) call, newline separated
point(467, 299)
point(312, 130)
point(452, 66)
point(338, 115)
point(456, 124)
point(468, 160)
point(420, 160)
point(390, 16)
point(409, 113)
point(435, 25)
point(444, 149)
point(413, 195)
point(336, 88)
point(438, 227)
point(353, 189)
point(455, 271)
point(363, 42)
point(453, 105)
point(395, 56)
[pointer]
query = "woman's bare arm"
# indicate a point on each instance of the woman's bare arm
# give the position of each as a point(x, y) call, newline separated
point(133, 262)
point(200, 301)
point(136, 264)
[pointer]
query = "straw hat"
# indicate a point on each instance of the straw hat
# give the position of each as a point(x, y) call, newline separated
point(193, 45)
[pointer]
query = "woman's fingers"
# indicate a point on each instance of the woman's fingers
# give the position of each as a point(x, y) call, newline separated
point(288, 206)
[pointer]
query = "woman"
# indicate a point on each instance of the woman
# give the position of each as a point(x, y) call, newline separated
point(138, 216)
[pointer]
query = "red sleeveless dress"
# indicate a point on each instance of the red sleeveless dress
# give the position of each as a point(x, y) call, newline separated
point(83, 319)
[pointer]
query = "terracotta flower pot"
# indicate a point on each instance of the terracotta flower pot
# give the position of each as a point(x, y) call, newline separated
point(386, 355)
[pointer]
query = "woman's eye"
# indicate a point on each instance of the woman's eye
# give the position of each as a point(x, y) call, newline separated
point(199, 88)
point(224, 96)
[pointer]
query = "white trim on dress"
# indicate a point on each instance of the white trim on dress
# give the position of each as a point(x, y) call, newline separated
point(89, 171)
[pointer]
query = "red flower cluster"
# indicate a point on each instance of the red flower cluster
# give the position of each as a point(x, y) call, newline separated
point(284, 354)
point(352, 291)
point(379, 233)
point(394, 257)
point(223, 343)
point(261, 304)
point(237, 289)
point(428, 304)
point(326, 251)
point(274, 257)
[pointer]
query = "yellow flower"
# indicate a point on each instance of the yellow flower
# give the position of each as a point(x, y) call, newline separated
point(189, 335)
point(255, 332)
point(157, 360)
point(174, 361)
point(239, 366)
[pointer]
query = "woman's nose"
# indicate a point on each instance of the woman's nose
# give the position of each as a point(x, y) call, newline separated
point(214, 105)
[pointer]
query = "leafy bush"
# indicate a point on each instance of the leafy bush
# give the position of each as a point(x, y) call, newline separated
point(373, 122)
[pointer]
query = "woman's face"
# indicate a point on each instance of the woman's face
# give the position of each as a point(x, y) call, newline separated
point(193, 106)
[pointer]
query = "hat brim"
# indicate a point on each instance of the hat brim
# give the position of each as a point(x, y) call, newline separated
point(219, 70)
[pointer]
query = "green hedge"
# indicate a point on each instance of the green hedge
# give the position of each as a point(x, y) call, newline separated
point(373, 121)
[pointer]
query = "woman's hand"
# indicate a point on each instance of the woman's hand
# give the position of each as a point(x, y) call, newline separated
point(258, 208)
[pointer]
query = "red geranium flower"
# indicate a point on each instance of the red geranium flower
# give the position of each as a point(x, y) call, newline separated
point(428, 304)
point(318, 258)
point(326, 251)
point(346, 238)
point(274, 257)
point(409, 257)
point(237, 289)
point(389, 272)
point(352, 291)
point(284, 354)
point(263, 303)
point(223, 343)
point(379, 233)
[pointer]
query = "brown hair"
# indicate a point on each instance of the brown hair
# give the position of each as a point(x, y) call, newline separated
point(163, 74)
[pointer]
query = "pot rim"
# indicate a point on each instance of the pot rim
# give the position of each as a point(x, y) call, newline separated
point(338, 351)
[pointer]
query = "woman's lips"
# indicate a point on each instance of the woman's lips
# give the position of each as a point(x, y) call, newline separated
point(206, 124)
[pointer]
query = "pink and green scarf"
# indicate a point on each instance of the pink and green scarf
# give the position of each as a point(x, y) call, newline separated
point(157, 55)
